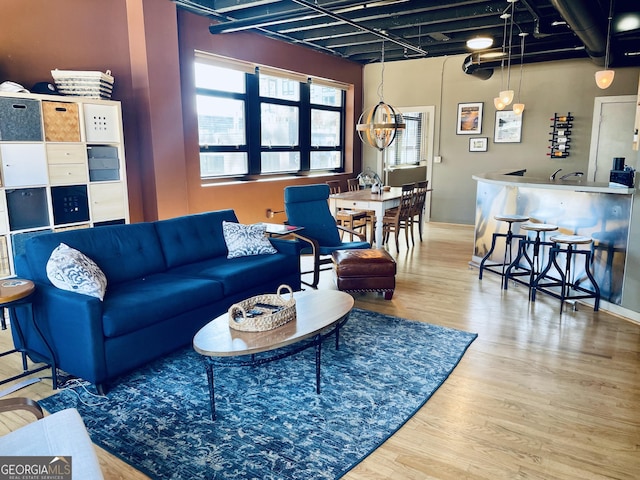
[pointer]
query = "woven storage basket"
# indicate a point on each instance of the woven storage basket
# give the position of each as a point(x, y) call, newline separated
point(285, 312)
point(61, 121)
point(91, 84)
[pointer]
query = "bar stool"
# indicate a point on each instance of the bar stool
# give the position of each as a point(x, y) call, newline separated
point(530, 271)
point(509, 236)
point(566, 244)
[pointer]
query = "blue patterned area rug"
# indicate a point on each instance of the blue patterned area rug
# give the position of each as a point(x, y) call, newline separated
point(270, 423)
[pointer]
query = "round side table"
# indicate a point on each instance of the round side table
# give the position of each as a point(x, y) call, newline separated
point(16, 292)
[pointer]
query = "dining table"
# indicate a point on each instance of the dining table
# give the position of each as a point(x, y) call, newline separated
point(365, 199)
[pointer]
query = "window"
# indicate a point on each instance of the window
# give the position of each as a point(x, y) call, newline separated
point(407, 147)
point(270, 122)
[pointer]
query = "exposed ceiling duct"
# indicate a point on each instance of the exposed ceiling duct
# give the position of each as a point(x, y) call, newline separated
point(482, 67)
point(588, 22)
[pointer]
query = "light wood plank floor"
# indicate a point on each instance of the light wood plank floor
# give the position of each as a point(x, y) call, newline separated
point(538, 395)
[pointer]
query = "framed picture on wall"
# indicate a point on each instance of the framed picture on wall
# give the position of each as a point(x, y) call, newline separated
point(469, 118)
point(508, 127)
point(478, 144)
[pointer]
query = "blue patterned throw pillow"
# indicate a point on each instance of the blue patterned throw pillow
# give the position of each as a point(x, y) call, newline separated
point(245, 240)
point(70, 269)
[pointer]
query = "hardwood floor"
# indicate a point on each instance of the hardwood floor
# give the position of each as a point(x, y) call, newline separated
point(538, 395)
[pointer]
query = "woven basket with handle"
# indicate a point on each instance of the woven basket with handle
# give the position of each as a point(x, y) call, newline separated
point(278, 312)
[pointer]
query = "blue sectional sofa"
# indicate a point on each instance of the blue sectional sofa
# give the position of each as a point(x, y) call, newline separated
point(165, 280)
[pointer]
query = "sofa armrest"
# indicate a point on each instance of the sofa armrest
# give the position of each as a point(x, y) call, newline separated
point(72, 326)
point(289, 247)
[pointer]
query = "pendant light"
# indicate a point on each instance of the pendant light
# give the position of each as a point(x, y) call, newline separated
point(518, 108)
point(604, 78)
point(507, 95)
point(379, 124)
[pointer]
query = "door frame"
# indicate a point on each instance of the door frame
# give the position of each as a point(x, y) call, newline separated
point(428, 138)
point(595, 129)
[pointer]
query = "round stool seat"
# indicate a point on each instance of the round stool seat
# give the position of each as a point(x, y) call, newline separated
point(571, 239)
point(511, 218)
point(539, 227)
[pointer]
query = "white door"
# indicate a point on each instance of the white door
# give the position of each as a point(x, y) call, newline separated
point(611, 135)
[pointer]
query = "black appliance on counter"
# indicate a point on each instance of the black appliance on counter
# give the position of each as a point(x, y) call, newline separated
point(621, 173)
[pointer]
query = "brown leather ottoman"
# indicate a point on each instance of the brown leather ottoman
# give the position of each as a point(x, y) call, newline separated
point(365, 270)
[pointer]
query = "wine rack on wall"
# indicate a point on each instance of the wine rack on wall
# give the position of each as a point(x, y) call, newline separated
point(560, 141)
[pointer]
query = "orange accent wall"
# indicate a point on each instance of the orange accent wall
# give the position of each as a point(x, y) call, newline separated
point(148, 45)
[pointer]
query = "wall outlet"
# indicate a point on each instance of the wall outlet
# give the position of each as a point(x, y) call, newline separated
point(437, 159)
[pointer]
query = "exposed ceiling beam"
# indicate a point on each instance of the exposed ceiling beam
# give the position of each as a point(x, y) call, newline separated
point(329, 13)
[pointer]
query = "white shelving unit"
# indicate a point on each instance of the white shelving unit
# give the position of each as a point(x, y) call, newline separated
point(62, 166)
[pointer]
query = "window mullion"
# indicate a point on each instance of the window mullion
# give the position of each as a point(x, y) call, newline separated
point(252, 106)
point(305, 127)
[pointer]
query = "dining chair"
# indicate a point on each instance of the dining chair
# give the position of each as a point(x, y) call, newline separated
point(419, 199)
point(353, 184)
point(399, 218)
point(307, 206)
point(351, 219)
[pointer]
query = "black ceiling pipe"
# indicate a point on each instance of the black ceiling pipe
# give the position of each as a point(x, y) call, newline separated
point(472, 65)
point(481, 68)
point(585, 19)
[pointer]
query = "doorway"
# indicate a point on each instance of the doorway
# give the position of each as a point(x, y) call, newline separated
point(611, 135)
point(411, 159)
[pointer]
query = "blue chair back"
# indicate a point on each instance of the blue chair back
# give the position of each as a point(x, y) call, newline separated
point(306, 206)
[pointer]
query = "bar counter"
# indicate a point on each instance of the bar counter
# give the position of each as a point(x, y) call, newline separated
point(576, 206)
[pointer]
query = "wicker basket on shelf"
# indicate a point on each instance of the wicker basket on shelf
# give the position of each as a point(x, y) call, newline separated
point(263, 312)
point(91, 84)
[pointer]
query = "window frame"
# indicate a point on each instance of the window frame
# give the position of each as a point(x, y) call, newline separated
point(253, 102)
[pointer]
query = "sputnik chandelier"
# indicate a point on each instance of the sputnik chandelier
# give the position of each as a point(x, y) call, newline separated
point(379, 124)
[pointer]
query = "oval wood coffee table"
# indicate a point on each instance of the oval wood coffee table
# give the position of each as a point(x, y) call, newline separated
point(319, 314)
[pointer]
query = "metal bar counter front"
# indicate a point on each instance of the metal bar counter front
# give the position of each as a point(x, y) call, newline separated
point(575, 206)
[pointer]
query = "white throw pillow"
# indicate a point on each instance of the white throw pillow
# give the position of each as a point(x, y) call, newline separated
point(69, 269)
point(245, 240)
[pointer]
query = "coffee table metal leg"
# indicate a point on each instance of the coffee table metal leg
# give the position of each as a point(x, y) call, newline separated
point(318, 340)
point(212, 395)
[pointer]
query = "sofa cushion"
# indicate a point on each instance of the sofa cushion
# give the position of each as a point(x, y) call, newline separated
point(242, 273)
point(246, 240)
point(123, 252)
point(195, 237)
point(70, 269)
point(134, 305)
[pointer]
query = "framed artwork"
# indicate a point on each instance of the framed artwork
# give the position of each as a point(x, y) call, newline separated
point(469, 118)
point(508, 127)
point(478, 144)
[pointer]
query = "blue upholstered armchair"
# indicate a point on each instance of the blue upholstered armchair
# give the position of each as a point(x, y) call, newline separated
point(307, 206)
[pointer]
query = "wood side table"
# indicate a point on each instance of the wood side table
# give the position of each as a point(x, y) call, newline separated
point(16, 292)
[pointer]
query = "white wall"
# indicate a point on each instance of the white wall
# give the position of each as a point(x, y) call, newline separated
point(548, 87)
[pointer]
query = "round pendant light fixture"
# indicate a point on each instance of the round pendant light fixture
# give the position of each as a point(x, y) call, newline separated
point(379, 125)
point(479, 43)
